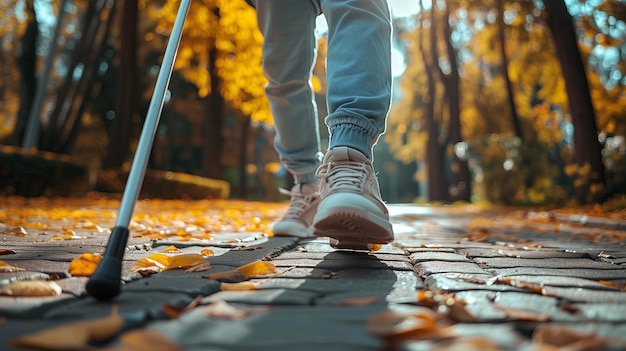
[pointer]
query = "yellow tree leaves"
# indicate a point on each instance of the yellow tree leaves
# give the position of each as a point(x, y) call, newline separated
point(222, 33)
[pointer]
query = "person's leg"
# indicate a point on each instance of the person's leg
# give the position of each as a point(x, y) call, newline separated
point(289, 50)
point(352, 212)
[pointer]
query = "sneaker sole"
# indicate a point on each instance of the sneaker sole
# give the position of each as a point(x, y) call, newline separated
point(353, 228)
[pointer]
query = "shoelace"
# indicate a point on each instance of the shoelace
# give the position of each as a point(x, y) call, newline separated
point(345, 175)
point(299, 202)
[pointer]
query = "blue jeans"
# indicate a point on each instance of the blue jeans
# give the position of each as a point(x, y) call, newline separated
point(358, 74)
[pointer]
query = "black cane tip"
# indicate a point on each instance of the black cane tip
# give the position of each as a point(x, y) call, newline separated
point(105, 282)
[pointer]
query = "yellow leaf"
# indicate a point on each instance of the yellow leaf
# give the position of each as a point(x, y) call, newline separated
point(7, 268)
point(171, 248)
point(32, 288)
point(256, 268)
point(185, 261)
point(85, 265)
point(207, 252)
point(145, 340)
point(241, 286)
point(73, 336)
point(160, 262)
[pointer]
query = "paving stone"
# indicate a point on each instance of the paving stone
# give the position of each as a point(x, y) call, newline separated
point(432, 267)
point(604, 312)
point(481, 304)
point(563, 281)
point(462, 282)
point(580, 263)
point(19, 307)
point(128, 302)
point(192, 286)
point(518, 253)
point(326, 285)
point(337, 265)
point(595, 274)
point(302, 328)
point(437, 256)
point(265, 297)
point(587, 295)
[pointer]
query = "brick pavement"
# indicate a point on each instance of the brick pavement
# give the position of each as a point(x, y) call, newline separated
point(490, 284)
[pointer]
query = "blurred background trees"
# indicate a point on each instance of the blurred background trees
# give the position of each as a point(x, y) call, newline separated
point(513, 102)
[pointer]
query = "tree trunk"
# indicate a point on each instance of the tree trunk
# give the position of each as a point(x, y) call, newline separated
point(126, 97)
point(437, 187)
point(91, 68)
point(64, 100)
point(460, 175)
point(587, 148)
point(515, 121)
point(212, 125)
point(243, 158)
point(27, 63)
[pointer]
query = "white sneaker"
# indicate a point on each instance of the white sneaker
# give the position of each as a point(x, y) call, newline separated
point(297, 221)
point(351, 211)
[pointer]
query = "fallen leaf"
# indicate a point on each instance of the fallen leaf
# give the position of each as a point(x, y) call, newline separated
point(185, 261)
point(7, 268)
point(522, 315)
point(200, 267)
point(256, 268)
point(220, 309)
point(455, 310)
point(160, 262)
point(7, 252)
point(241, 286)
point(207, 252)
point(171, 248)
point(402, 323)
point(174, 311)
point(359, 301)
point(32, 288)
point(567, 339)
point(17, 231)
point(85, 265)
point(73, 336)
point(145, 340)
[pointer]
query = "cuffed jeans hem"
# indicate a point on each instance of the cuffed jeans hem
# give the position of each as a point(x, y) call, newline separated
point(352, 136)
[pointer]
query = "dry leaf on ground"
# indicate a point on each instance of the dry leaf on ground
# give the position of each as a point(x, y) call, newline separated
point(7, 268)
point(73, 336)
point(359, 301)
point(160, 262)
point(174, 311)
point(145, 340)
point(223, 310)
point(32, 288)
point(522, 315)
point(256, 268)
point(85, 265)
point(411, 320)
point(7, 252)
point(241, 286)
point(565, 338)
